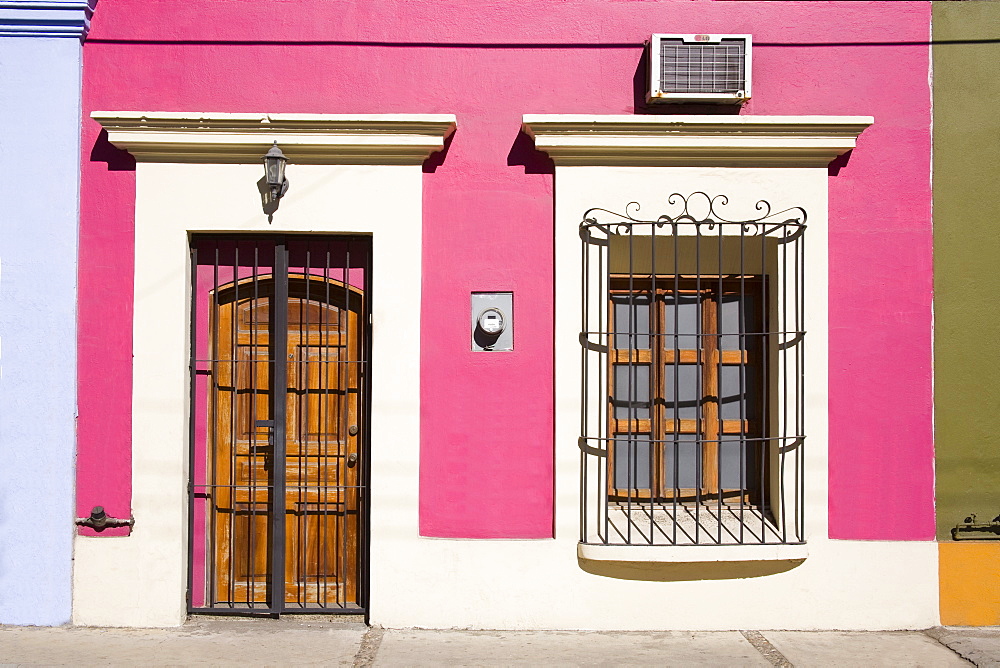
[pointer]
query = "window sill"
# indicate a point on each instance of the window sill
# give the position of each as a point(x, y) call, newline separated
point(690, 553)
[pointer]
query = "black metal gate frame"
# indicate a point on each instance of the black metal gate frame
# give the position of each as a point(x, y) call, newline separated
point(279, 333)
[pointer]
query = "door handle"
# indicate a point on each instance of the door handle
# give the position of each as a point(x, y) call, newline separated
point(352, 459)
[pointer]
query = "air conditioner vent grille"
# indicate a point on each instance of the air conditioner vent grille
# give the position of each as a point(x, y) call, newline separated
point(702, 68)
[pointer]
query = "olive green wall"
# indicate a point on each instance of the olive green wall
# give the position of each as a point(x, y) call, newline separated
point(966, 90)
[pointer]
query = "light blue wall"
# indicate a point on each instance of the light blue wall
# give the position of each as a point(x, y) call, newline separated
point(39, 175)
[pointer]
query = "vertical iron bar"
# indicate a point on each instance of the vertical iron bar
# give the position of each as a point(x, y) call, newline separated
point(252, 417)
point(632, 370)
point(766, 339)
point(279, 341)
point(783, 363)
point(233, 434)
point(302, 396)
point(676, 426)
point(604, 416)
point(720, 428)
point(653, 343)
point(744, 401)
point(700, 375)
point(192, 401)
point(800, 243)
point(364, 443)
point(584, 394)
point(214, 427)
point(323, 435)
point(343, 452)
point(324, 539)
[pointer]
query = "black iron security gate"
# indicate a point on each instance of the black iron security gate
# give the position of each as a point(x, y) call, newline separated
point(279, 414)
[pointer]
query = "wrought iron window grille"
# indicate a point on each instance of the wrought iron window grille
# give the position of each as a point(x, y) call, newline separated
point(692, 370)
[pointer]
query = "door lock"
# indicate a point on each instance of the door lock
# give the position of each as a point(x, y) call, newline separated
point(269, 425)
point(353, 430)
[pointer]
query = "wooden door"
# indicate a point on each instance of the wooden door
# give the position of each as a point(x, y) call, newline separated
point(320, 468)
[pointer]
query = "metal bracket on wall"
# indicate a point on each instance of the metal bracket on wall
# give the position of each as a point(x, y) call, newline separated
point(99, 520)
point(971, 530)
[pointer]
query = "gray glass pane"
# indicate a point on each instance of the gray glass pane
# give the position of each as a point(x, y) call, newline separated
point(631, 392)
point(632, 461)
point(733, 315)
point(631, 321)
point(681, 459)
point(688, 390)
point(682, 315)
point(738, 463)
point(739, 401)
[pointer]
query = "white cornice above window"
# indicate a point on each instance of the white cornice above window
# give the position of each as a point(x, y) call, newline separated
point(46, 18)
point(738, 141)
point(382, 139)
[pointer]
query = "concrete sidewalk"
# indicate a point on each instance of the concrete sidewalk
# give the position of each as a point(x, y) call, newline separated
point(324, 641)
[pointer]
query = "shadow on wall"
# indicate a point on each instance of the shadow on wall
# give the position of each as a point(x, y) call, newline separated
point(839, 162)
point(523, 152)
point(639, 106)
point(117, 159)
point(436, 159)
point(267, 203)
point(686, 571)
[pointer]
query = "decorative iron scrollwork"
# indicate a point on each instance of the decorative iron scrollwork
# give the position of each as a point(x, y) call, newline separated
point(701, 209)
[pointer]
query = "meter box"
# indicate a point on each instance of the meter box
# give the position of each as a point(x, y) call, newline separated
point(492, 321)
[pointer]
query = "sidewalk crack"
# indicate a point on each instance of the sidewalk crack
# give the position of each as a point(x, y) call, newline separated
point(767, 650)
point(369, 647)
point(963, 650)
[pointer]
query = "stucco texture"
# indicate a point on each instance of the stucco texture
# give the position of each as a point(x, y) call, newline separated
point(966, 248)
point(486, 446)
point(40, 80)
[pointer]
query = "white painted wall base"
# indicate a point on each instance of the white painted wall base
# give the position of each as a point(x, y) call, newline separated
point(436, 583)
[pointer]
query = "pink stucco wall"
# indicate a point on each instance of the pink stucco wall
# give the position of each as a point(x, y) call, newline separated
point(488, 213)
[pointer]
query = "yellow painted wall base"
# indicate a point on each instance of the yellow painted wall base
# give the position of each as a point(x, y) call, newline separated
point(970, 583)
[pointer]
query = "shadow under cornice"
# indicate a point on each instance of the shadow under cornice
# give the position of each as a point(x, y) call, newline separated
point(686, 571)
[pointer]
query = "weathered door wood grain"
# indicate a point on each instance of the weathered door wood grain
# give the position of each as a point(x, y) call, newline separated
point(320, 467)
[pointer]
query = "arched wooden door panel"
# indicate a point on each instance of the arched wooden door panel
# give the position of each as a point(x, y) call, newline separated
point(283, 438)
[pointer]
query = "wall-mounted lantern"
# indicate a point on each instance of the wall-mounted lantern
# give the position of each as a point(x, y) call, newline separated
point(274, 171)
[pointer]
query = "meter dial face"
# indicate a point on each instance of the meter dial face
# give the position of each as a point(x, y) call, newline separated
point(491, 321)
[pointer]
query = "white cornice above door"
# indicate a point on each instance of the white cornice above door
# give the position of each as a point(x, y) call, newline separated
point(382, 139)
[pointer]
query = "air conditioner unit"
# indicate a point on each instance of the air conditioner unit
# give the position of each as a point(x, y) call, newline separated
point(699, 68)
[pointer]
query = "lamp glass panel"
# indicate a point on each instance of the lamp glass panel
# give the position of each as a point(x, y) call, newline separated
point(274, 169)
